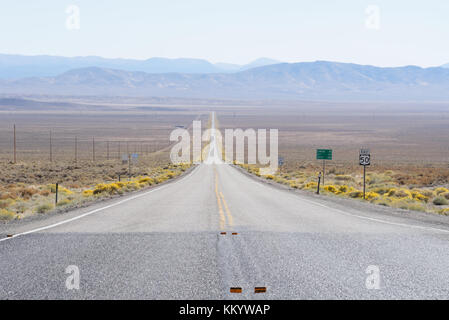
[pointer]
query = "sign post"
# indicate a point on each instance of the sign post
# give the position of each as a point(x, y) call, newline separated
point(129, 159)
point(324, 154)
point(324, 169)
point(132, 159)
point(56, 192)
point(124, 158)
point(364, 160)
point(129, 166)
point(318, 186)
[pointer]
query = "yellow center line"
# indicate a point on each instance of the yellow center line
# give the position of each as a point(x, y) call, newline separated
point(220, 208)
point(222, 202)
point(228, 212)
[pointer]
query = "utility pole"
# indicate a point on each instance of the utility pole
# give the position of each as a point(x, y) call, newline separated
point(93, 149)
point(119, 150)
point(15, 157)
point(76, 149)
point(51, 149)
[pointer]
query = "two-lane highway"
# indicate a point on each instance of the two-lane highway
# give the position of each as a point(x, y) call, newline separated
point(169, 244)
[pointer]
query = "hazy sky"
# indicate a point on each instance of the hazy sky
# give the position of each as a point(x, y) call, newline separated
point(377, 32)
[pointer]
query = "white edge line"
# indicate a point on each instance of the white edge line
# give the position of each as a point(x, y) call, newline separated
point(355, 215)
point(375, 219)
point(99, 209)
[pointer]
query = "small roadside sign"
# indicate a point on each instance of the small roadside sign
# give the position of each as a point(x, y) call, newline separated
point(364, 160)
point(281, 161)
point(324, 154)
point(280, 164)
point(364, 157)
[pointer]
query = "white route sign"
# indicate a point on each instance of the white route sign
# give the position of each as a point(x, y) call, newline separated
point(364, 157)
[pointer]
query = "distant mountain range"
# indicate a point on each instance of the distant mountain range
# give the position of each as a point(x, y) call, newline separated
point(19, 66)
point(320, 80)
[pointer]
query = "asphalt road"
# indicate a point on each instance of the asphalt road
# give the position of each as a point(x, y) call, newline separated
point(166, 243)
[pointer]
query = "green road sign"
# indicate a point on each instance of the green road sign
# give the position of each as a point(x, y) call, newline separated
point(324, 154)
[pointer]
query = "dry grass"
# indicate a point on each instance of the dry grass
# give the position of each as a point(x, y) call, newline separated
point(382, 188)
point(19, 201)
point(28, 186)
point(408, 142)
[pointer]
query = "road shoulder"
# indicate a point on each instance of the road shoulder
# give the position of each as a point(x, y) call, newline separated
point(357, 207)
point(41, 220)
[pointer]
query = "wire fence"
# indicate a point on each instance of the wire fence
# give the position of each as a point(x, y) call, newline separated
point(66, 146)
point(104, 143)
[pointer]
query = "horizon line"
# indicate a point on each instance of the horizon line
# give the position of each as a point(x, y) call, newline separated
point(219, 62)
